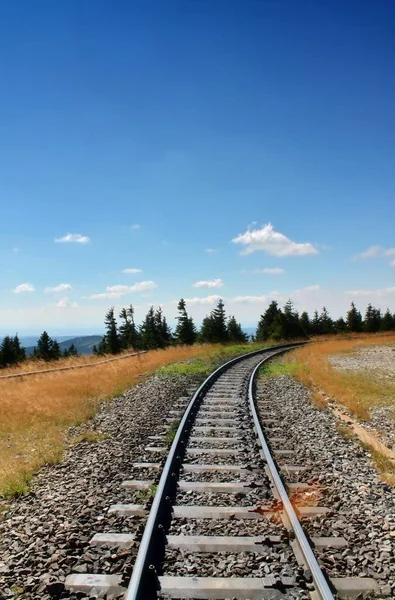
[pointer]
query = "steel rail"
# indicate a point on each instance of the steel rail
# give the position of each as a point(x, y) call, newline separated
point(320, 583)
point(141, 585)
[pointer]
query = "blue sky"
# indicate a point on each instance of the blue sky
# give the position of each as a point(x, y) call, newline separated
point(201, 142)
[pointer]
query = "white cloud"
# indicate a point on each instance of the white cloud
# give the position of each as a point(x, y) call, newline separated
point(269, 271)
point(211, 283)
point(378, 293)
point(272, 242)
point(206, 300)
point(23, 287)
point(76, 238)
point(132, 270)
point(249, 299)
point(309, 288)
point(117, 291)
point(65, 303)
point(211, 250)
point(376, 252)
point(135, 227)
point(62, 287)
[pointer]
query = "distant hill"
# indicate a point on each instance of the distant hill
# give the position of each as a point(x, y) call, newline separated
point(83, 343)
point(31, 340)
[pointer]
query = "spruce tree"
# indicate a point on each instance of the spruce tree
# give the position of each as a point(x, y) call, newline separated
point(354, 319)
point(56, 352)
point(185, 332)
point(305, 323)
point(266, 322)
point(235, 332)
point(7, 352)
point(43, 350)
point(149, 338)
point(372, 321)
point(128, 334)
point(214, 328)
point(326, 323)
point(112, 341)
point(388, 321)
point(315, 324)
point(340, 326)
point(291, 323)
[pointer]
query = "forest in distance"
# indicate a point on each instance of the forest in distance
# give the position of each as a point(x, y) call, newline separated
point(274, 324)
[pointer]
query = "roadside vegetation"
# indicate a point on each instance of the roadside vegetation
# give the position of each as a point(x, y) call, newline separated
point(36, 411)
point(358, 391)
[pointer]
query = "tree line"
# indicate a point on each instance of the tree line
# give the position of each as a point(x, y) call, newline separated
point(122, 333)
point(12, 352)
point(154, 332)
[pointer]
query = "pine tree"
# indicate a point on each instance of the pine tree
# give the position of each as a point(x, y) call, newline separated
point(185, 332)
point(149, 337)
point(326, 323)
point(11, 351)
point(372, 321)
point(354, 319)
point(340, 326)
point(72, 351)
point(305, 323)
point(388, 321)
point(315, 325)
point(101, 347)
point(128, 334)
point(214, 328)
point(291, 322)
point(56, 352)
point(267, 323)
point(235, 332)
point(43, 350)
point(112, 341)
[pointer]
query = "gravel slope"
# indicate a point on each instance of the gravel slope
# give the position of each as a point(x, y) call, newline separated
point(363, 507)
point(45, 535)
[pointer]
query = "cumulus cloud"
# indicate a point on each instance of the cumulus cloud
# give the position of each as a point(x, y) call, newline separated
point(269, 271)
point(272, 242)
point(135, 227)
point(376, 252)
point(65, 303)
point(62, 287)
point(75, 238)
point(211, 283)
point(132, 270)
point(117, 291)
point(23, 287)
point(206, 300)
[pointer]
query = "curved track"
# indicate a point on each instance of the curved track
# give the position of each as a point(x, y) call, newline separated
point(222, 523)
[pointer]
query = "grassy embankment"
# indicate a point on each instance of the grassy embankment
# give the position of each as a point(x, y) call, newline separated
point(358, 391)
point(36, 410)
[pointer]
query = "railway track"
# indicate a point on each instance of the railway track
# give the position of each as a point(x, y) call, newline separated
point(222, 523)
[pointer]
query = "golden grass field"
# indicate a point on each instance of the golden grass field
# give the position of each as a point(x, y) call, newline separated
point(36, 410)
point(358, 391)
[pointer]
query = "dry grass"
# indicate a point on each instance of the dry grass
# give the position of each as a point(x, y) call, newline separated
point(36, 410)
point(357, 391)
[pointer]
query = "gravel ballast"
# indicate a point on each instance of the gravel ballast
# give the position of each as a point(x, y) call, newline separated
point(362, 508)
point(45, 535)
